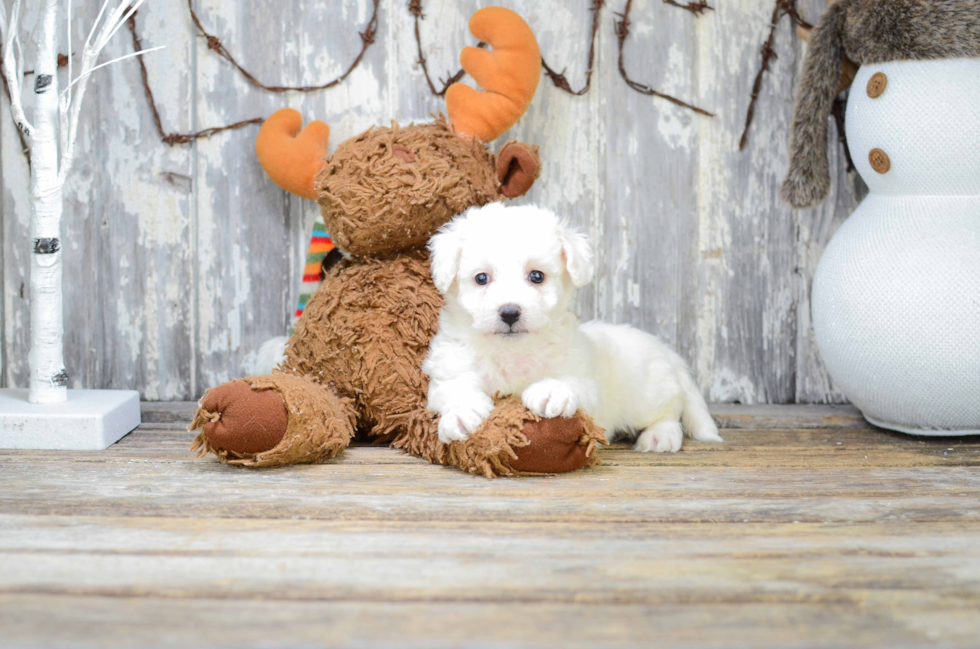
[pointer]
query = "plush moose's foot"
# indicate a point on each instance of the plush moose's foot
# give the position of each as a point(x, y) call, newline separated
point(240, 421)
point(555, 446)
point(272, 421)
point(513, 441)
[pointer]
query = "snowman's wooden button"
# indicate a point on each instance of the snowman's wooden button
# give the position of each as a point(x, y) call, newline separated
point(879, 161)
point(877, 84)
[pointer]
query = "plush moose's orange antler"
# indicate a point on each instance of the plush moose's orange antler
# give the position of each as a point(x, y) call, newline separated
point(509, 75)
point(292, 161)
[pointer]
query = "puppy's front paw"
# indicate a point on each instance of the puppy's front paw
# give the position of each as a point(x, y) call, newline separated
point(550, 398)
point(458, 423)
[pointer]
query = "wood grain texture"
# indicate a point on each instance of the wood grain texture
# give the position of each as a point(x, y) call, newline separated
point(126, 227)
point(16, 213)
point(726, 415)
point(746, 328)
point(165, 622)
point(794, 537)
point(251, 236)
point(648, 173)
point(181, 261)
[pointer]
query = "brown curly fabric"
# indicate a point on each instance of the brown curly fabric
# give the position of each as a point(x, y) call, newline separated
point(513, 441)
point(375, 202)
point(364, 335)
point(355, 359)
point(320, 424)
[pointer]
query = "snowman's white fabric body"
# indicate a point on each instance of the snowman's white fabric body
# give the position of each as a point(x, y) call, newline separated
point(896, 296)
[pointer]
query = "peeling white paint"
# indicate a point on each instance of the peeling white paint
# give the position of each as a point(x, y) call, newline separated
point(677, 126)
point(208, 218)
point(633, 290)
point(727, 386)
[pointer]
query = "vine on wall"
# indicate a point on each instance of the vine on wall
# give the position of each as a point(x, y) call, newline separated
point(803, 28)
point(415, 9)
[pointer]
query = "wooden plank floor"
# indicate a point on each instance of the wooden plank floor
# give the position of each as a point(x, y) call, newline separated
point(806, 528)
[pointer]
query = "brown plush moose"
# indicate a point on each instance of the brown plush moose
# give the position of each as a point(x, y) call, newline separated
point(354, 361)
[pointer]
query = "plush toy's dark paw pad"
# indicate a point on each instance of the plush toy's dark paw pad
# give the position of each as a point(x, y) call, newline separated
point(554, 447)
point(241, 420)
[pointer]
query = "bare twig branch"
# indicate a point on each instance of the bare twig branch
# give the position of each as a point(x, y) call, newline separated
point(175, 138)
point(622, 27)
point(4, 35)
point(415, 8)
point(68, 58)
point(781, 8)
point(25, 147)
point(803, 29)
point(215, 45)
point(697, 7)
point(768, 53)
point(108, 22)
point(789, 7)
point(85, 74)
point(558, 78)
point(70, 110)
point(13, 71)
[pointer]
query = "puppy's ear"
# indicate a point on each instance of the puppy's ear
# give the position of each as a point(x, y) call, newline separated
point(446, 247)
point(577, 252)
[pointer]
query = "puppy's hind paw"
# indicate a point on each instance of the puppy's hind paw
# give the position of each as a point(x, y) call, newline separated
point(550, 398)
point(665, 437)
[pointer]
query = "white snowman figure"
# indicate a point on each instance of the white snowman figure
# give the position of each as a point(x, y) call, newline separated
point(895, 299)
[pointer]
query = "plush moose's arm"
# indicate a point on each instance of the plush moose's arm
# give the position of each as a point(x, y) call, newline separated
point(509, 75)
point(292, 158)
point(513, 441)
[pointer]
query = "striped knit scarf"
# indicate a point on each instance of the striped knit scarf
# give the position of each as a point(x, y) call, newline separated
point(320, 247)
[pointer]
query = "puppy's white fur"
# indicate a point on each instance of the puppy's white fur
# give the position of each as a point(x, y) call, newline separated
point(630, 382)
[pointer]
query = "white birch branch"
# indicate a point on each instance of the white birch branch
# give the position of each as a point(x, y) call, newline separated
point(52, 136)
point(70, 109)
point(13, 66)
point(70, 55)
point(48, 378)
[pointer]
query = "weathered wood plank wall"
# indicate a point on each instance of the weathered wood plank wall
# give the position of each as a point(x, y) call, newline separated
point(180, 261)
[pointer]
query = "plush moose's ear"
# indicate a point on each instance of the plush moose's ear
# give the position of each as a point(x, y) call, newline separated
point(446, 247)
point(292, 158)
point(577, 251)
point(518, 166)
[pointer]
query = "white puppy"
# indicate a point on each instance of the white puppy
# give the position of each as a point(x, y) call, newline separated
point(508, 274)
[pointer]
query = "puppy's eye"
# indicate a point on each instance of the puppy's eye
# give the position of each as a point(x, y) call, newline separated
point(482, 279)
point(536, 276)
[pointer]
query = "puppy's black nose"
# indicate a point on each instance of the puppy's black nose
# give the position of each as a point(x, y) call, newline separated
point(510, 313)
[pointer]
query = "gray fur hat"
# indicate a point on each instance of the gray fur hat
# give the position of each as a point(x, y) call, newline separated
point(865, 31)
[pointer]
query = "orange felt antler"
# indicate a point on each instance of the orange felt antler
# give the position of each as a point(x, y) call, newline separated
point(292, 161)
point(509, 75)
